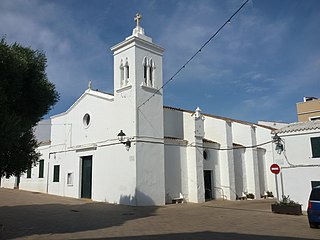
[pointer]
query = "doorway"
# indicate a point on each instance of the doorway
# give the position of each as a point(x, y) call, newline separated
point(207, 185)
point(17, 182)
point(86, 177)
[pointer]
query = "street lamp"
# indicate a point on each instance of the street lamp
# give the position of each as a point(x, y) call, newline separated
point(278, 142)
point(121, 136)
point(125, 140)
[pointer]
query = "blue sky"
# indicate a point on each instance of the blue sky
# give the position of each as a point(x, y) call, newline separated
point(257, 68)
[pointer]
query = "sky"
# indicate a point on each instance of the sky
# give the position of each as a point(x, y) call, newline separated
point(257, 68)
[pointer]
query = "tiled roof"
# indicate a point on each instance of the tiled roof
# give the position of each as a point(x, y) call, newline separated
point(221, 118)
point(300, 126)
point(209, 141)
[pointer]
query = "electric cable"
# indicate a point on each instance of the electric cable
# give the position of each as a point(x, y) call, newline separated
point(194, 55)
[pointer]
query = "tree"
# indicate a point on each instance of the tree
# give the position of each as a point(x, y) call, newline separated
point(25, 96)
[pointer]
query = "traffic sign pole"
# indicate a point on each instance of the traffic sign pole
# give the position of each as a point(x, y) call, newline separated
point(275, 169)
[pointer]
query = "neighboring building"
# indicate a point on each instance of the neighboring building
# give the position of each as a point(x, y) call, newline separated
point(309, 109)
point(167, 152)
point(300, 160)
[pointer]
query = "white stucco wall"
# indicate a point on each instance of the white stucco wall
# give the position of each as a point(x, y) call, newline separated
point(10, 182)
point(263, 136)
point(221, 131)
point(298, 167)
point(212, 164)
point(176, 175)
point(240, 171)
point(35, 183)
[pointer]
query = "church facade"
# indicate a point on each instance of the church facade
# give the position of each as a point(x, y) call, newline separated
point(128, 148)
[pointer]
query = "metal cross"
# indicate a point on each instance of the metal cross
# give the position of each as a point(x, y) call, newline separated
point(137, 19)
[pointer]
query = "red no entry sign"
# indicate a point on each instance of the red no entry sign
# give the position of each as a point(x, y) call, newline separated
point(275, 168)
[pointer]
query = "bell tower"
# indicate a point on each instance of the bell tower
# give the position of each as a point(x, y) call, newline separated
point(137, 78)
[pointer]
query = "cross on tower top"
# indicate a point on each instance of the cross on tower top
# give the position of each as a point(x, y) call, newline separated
point(137, 19)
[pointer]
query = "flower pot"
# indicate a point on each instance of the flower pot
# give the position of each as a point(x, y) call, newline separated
point(294, 209)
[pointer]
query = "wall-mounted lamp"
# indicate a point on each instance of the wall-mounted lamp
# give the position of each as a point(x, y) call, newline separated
point(278, 142)
point(121, 136)
point(125, 140)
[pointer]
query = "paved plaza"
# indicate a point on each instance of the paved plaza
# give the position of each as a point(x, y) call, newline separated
point(30, 215)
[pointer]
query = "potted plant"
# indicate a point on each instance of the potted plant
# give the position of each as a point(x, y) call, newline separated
point(250, 196)
point(286, 206)
point(269, 194)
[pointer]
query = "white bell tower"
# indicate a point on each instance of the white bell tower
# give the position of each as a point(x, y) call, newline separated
point(137, 78)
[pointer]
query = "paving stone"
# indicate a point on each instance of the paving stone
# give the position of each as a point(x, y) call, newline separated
point(28, 215)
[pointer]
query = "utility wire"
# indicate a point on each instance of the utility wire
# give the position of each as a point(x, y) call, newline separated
point(199, 146)
point(194, 55)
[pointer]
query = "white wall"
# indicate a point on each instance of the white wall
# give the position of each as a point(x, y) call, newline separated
point(35, 183)
point(298, 168)
point(246, 135)
point(297, 183)
point(240, 171)
point(176, 175)
point(173, 123)
point(212, 164)
point(263, 136)
point(10, 182)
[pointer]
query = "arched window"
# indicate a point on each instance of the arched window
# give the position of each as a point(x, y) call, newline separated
point(148, 72)
point(144, 63)
point(127, 67)
point(121, 74)
point(151, 73)
point(126, 72)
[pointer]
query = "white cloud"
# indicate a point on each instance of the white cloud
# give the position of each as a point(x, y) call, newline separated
point(71, 48)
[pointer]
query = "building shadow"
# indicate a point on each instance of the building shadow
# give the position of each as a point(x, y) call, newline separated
point(240, 209)
point(26, 220)
point(202, 235)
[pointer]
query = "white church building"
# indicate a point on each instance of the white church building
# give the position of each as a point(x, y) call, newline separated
point(128, 148)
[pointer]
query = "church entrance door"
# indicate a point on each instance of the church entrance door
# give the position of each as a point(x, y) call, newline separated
point(207, 185)
point(86, 177)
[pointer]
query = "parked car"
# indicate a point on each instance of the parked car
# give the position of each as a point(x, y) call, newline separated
point(314, 208)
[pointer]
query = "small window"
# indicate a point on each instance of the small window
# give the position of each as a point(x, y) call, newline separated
point(41, 168)
point(205, 155)
point(127, 72)
point(56, 173)
point(70, 178)
point(315, 146)
point(151, 77)
point(121, 75)
point(29, 172)
point(86, 120)
point(145, 73)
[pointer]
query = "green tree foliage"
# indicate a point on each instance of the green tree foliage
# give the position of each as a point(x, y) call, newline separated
point(25, 96)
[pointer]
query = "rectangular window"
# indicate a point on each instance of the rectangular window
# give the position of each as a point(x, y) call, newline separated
point(41, 168)
point(315, 146)
point(70, 179)
point(56, 173)
point(29, 172)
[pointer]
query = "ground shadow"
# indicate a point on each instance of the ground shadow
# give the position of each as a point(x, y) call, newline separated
point(240, 209)
point(201, 235)
point(26, 220)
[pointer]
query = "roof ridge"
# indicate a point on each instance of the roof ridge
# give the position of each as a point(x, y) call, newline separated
point(222, 118)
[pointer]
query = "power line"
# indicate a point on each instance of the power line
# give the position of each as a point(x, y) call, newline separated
point(194, 55)
point(207, 147)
